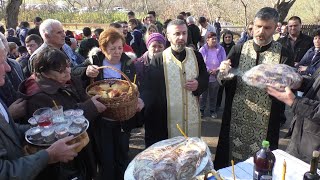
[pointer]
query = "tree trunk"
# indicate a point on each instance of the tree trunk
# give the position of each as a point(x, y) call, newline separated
point(283, 8)
point(146, 8)
point(12, 12)
point(245, 12)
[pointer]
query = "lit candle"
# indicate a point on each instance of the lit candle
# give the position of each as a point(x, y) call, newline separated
point(284, 169)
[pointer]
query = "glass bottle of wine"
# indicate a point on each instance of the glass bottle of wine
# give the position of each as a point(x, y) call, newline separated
point(312, 174)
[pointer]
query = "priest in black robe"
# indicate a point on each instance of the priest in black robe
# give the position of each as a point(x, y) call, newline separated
point(174, 80)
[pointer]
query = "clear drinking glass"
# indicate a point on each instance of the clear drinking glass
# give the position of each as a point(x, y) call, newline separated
point(57, 114)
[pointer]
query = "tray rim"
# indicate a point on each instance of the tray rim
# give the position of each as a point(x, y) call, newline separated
point(47, 145)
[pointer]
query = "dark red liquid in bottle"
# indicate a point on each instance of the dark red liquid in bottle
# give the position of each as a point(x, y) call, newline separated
point(264, 161)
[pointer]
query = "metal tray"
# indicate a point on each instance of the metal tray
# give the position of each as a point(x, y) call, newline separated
point(44, 144)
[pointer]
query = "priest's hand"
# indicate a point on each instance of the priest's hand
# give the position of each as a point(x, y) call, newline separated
point(287, 96)
point(213, 71)
point(92, 71)
point(191, 85)
point(225, 66)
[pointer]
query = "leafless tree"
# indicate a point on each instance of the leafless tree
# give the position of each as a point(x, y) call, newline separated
point(146, 9)
point(99, 4)
point(12, 12)
point(2, 9)
point(283, 8)
point(245, 5)
point(72, 3)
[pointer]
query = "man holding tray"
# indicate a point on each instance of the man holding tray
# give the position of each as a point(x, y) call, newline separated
point(250, 114)
point(175, 79)
point(13, 163)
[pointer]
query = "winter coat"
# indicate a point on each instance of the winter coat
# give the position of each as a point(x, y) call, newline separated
point(195, 34)
point(14, 163)
point(313, 62)
point(301, 46)
point(138, 45)
point(96, 57)
point(306, 132)
point(86, 45)
point(141, 65)
point(41, 92)
point(16, 75)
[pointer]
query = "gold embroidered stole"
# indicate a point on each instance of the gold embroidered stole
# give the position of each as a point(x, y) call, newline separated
point(251, 106)
point(182, 105)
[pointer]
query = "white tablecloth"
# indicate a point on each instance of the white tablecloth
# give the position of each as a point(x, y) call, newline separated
point(244, 170)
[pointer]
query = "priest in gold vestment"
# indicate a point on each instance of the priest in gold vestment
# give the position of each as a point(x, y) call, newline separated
point(172, 84)
point(251, 115)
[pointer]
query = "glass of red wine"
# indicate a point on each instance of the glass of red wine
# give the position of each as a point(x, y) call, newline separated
point(43, 117)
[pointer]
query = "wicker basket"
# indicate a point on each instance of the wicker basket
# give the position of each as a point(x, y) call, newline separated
point(118, 108)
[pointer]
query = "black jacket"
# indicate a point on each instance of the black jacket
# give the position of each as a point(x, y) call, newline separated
point(306, 132)
point(14, 39)
point(195, 34)
point(86, 45)
point(301, 46)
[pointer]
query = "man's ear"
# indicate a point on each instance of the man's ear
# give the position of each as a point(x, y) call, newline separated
point(46, 35)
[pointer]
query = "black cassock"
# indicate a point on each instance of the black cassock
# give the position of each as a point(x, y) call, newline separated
point(222, 158)
point(153, 94)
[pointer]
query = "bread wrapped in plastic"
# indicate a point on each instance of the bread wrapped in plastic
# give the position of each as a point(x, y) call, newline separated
point(277, 76)
point(175, 158)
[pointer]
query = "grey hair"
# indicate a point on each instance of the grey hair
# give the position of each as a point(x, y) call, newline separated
point(176, 22)
point(4, 41)
point(2, 46)
point(268, 13)
point(190, 20)
point(47, 26)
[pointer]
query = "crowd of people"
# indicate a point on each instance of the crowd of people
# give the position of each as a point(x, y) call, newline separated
point(177, 67)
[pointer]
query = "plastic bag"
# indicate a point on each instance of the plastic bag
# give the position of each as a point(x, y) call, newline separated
point(175, 158)
point(277, 76)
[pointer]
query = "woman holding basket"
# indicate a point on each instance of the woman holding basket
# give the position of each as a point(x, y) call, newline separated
point(52, 85)
point(112, 136)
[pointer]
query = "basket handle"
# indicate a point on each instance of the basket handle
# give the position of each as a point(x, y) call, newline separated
point(117, 70)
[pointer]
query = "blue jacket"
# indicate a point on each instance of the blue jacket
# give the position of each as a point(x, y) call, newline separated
point(309, 60)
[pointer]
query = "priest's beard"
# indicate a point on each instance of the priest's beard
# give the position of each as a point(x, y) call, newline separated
point(262, 42)
point(178, 47)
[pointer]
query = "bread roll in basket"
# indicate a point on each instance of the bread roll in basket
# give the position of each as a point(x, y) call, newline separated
point(119, 96)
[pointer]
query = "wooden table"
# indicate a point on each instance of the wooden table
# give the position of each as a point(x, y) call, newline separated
point(244, 170)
